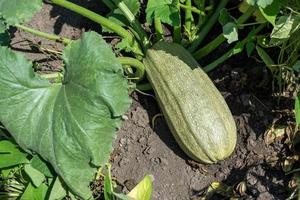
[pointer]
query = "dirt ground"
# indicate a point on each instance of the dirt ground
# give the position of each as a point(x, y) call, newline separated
point(141, 149)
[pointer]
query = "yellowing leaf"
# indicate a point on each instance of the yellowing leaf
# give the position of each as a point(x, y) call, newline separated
point(143, 190)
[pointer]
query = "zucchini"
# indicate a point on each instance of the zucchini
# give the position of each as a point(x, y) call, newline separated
point(194, 109)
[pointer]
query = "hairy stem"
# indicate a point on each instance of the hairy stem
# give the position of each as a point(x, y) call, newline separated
point(139, 66)
point(137, 27)
point(188, 16)
point(191, 9)
point(208, 26)
point(204, 51)
point(48, 36)
point(177, 29)
point(116, 28)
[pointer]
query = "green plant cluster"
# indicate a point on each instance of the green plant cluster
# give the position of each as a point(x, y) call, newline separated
point(56, 136)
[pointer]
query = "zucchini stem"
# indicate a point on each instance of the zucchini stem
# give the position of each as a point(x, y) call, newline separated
point(208, 26)
point(191, 9)
point(204, 51)
point(235, 50)
point(188, 16)
point(139, 66)
point(158, 29)
point(177, 29)
point(41, 34)
point(137, 27)
point(116, 28)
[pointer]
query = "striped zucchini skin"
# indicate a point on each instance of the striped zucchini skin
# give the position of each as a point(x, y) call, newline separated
point(194, 109)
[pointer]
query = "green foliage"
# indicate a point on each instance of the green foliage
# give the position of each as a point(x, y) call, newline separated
point(11, 155)
point(142, 191)
point(37, 178)
point(42, 166)
point(271, 11)
point(69, 122)
point(117, 16)
point(250, 46)
point(58, 190)
point(230, 32)
point(296, 66)
point(16, 11)
point(230, 28)
point(68, 128)
point(166, 10)
point(35, 193)
point(260, 3)
point(264, 56)
point(284, 27)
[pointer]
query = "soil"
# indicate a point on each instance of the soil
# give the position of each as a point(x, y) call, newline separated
point(141, 149)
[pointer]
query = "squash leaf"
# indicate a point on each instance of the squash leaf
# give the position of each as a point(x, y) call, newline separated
point(19, 11)
point(71, 125)
point(166, 10)
point(42, 166)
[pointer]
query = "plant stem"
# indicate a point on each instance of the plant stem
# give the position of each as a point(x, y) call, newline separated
point(137, 27)
point(144, 86)
point(158, 29)
point(177, 29)
point(188, 15)
point(191, 9)
point(139, 66)
point(208, 26)
point(201, 6)
point(103, 22)
point(235, 50)
point(204, 51)
point(48, 36)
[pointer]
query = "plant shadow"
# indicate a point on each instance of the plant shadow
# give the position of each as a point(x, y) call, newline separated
point(68, 17)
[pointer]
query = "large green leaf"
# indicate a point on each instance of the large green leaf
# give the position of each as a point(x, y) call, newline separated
point(42, 166)
point(71, 125)
point(19, 11)
point(166, 10)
